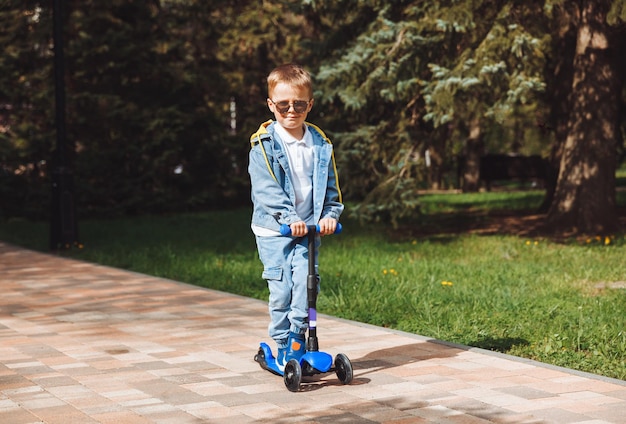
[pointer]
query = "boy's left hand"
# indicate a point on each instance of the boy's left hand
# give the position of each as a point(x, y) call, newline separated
point(327, 226)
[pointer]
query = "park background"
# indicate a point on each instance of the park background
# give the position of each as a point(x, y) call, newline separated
point(159, 99)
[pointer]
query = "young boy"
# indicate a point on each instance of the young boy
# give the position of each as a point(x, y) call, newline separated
point(294, 182)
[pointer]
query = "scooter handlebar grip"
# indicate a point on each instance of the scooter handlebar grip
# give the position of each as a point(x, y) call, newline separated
point(285, 229)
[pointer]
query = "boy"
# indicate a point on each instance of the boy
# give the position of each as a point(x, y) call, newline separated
point(294, 182)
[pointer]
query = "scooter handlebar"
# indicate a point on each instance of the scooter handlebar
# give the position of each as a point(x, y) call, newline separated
point(285, 229)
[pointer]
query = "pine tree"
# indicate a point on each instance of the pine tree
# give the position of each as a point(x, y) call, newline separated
point(417, 77)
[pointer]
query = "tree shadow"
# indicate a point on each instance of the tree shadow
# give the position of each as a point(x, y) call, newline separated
point(502, 345)
point(447, 227)
point(401, 355)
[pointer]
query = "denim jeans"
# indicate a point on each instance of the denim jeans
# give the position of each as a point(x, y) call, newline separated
point(285, 267)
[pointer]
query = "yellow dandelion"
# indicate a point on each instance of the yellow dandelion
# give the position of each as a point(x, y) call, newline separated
point(385, 271)
point(607, 240)
point(536, 243)
point(527, 242)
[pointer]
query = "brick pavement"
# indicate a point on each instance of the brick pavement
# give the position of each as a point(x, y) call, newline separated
point(83, 343)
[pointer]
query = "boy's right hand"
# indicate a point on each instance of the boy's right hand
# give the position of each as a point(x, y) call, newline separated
point(299, 229)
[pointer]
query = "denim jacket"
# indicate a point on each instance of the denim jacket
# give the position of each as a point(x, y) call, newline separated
point(273, 195)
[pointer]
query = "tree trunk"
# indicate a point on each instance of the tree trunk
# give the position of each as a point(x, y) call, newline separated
point(473, 151)
point(584, 199)
point(559, 76)
point(437, 153)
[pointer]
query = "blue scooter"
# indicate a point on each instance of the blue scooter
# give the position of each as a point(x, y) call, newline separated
point(313, 361)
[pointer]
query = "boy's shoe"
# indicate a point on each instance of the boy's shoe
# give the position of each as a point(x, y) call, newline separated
point(280, 358)
point(295, 347)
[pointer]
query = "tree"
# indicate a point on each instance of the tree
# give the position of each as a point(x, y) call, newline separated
point(423, 78)
point(584, 197)
point(26, 107)
point(476, 69)
point(149, 91)
point(137, 107)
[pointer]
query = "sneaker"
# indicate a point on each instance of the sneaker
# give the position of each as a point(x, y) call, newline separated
point(295, 347)
point(280, 358)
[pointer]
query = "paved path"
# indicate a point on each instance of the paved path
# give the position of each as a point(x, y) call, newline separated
point(83, 343)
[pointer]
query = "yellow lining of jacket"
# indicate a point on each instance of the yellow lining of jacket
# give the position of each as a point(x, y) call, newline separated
point(256, 138)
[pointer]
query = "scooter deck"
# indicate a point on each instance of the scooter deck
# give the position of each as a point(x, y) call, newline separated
point(311, 362)
point(266, 359)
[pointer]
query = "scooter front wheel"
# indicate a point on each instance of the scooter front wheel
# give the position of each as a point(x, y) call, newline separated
point(343, 368)
point(293, 375)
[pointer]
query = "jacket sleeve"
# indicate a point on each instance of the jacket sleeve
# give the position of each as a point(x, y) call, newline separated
point(272, 204)
point(333, 206)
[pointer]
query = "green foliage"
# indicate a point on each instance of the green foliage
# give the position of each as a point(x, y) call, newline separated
point(149, 88)
point(26, 115)
point(617, 13)
point(411, 67)
point(139, 110)
point(254, 37)
point(399, 87)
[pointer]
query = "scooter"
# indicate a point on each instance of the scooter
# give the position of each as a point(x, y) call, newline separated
point(313, 361)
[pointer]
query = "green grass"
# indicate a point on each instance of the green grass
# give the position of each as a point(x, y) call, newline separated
point(436, 204)
point(533, 298)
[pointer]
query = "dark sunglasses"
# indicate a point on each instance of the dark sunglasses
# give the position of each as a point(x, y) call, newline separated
point(299, 106)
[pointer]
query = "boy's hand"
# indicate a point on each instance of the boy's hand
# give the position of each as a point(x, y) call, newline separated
point(327, 226)
point(299, 229)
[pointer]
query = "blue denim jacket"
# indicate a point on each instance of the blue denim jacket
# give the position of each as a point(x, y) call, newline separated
point(273, 195)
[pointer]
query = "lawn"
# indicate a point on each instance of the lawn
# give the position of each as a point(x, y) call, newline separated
point(561, 303)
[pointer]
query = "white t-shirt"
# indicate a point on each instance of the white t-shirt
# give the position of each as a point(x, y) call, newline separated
point(300, 155)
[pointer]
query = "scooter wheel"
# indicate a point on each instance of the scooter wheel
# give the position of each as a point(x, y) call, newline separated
point(260, 358)
point(343, 368)
point(293, 375)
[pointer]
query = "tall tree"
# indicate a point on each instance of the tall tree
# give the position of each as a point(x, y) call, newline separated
point(584, 197)
point(475, 66)
point(424, 79)
point(255, 37)
point(26, 107)
point(146, 102)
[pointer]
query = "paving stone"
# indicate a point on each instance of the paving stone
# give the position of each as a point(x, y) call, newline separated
point(84, 343)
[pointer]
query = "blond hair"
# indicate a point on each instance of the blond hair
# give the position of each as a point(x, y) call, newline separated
point(291, 74)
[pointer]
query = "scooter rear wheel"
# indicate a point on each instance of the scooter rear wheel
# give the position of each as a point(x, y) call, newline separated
point(293, 375)
point(260, 358)
point(343, 368)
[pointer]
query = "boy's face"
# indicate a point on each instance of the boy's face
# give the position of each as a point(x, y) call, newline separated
point(295, 97)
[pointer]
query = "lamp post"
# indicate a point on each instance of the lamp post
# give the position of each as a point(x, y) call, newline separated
point(63, 225)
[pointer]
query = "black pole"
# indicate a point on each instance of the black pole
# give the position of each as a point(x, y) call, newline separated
point(312, 284)
point(63, 226)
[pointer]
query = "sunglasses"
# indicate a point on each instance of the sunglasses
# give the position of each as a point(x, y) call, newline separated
point(299, 106)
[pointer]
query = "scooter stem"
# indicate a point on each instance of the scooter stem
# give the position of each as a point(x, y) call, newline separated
point(312, 284)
